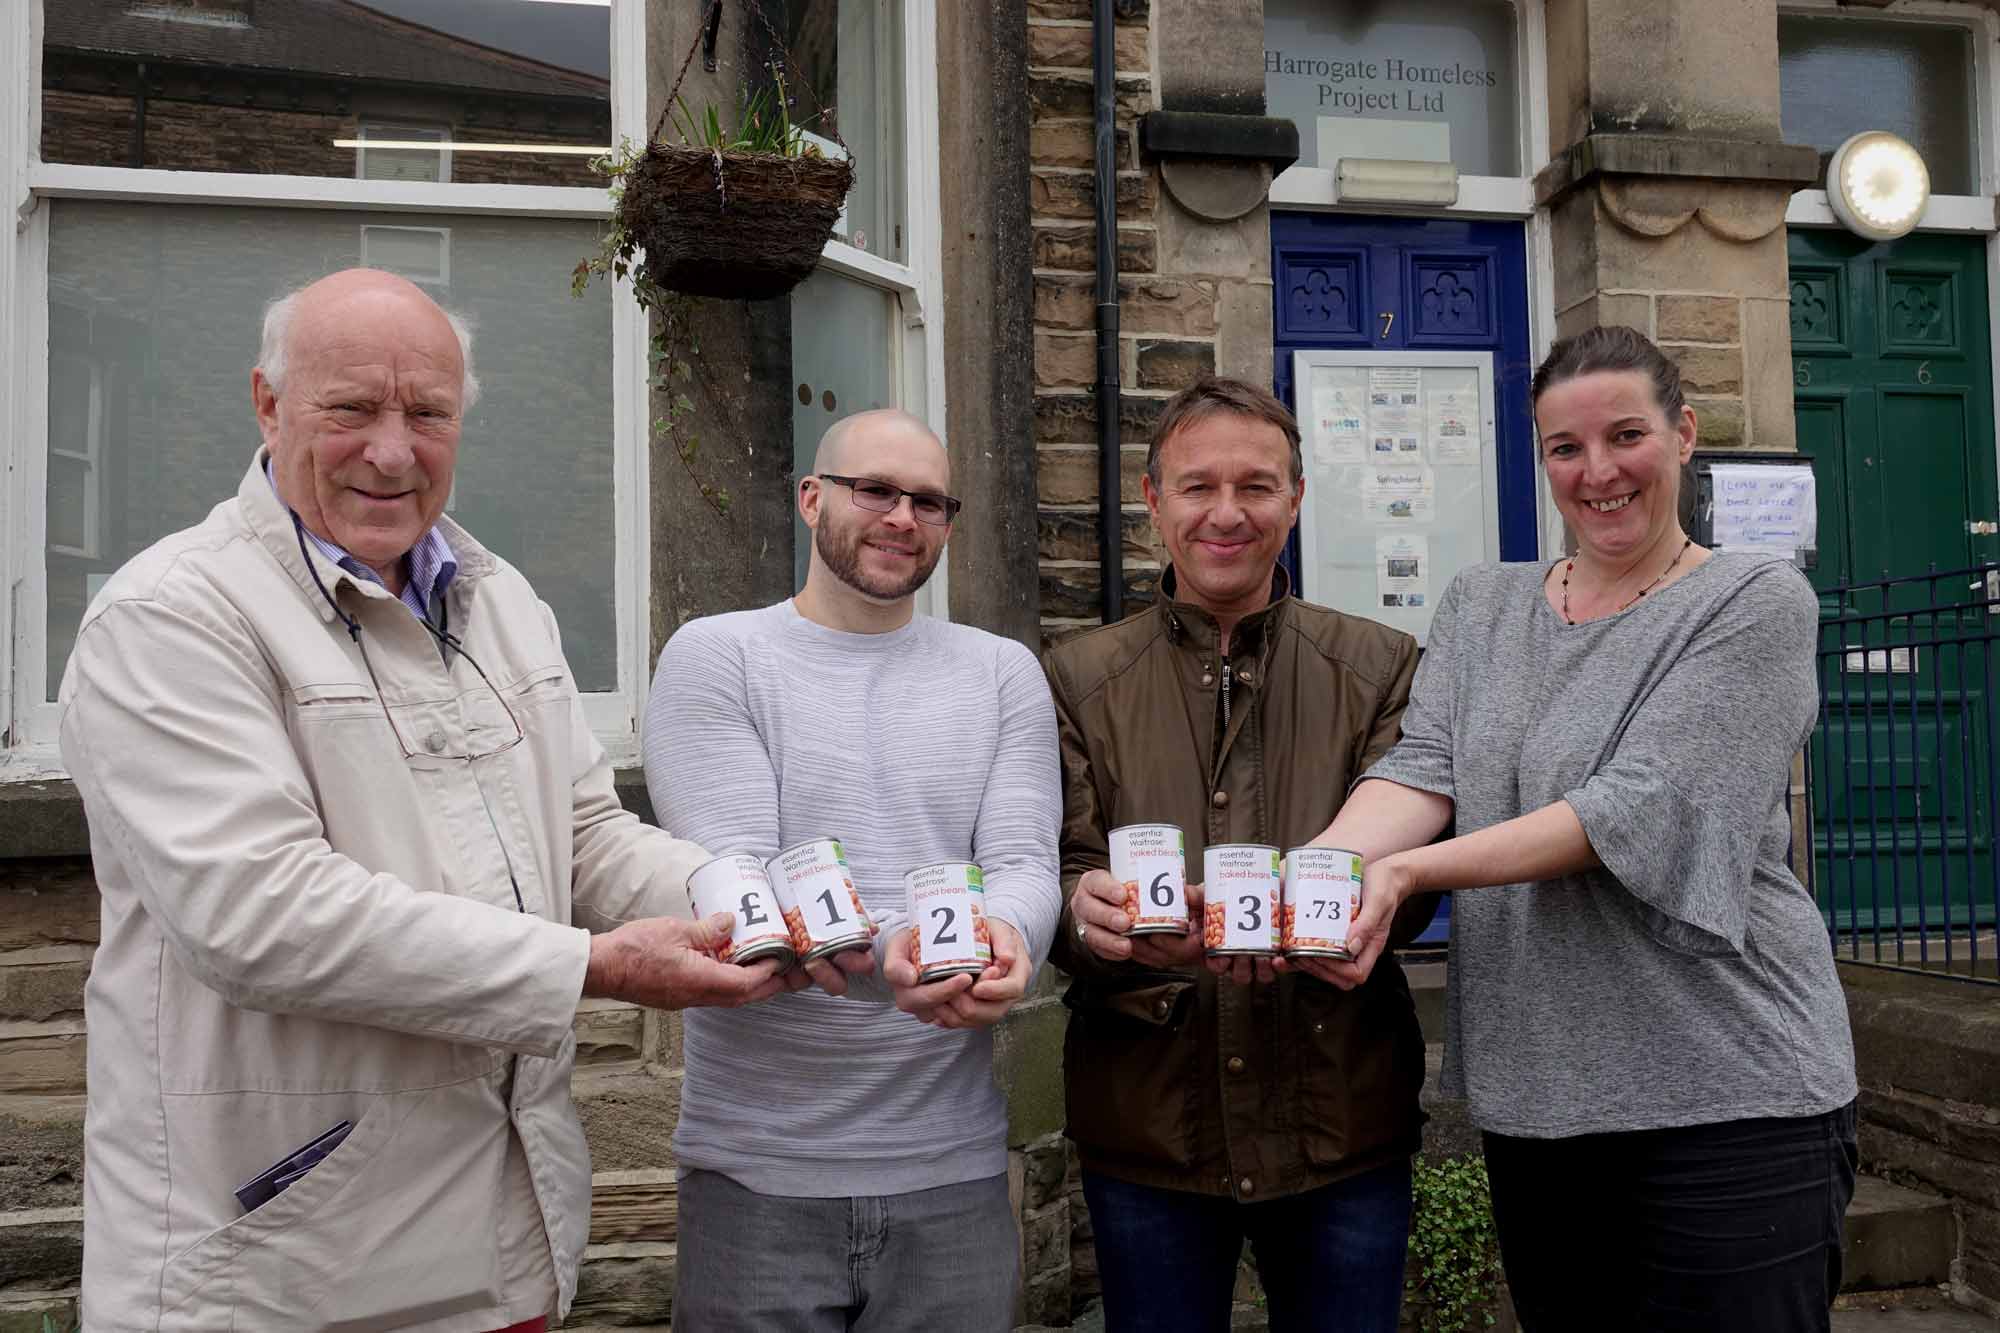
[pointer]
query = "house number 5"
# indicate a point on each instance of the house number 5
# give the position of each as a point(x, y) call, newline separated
point(1802, 376)
point(1924, 373)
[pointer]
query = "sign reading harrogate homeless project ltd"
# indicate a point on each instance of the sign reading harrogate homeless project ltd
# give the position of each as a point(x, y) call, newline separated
point(1418, 78)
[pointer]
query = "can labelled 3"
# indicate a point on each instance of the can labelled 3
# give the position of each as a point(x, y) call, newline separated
point(1149, 861)
point(948, 932)
point(1240, 889)
point(736, 884)
point(1322, 898)
point(821, 905)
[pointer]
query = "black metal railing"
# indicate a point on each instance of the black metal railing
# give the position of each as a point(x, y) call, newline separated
point(1902, 774)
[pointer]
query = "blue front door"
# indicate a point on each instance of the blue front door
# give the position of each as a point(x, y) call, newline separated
point(1414, 284)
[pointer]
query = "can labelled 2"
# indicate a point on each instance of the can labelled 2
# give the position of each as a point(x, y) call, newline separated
point(736, 884)
point(821, 905)
point(1241, 882)
point(1322, 898)
point(1149, 861)
point(948, 932)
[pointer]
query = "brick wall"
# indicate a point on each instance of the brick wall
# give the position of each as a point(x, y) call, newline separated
point(1062, 181)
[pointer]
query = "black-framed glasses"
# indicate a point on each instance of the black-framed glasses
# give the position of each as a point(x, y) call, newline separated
point(435, 742)
point(880, 497)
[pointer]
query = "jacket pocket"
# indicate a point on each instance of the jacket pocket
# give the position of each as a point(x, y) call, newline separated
point(1129, 1070)
point(1361, 1068)
point(405, 1204)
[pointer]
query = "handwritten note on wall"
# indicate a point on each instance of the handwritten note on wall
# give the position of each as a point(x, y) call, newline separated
point(1765, 507)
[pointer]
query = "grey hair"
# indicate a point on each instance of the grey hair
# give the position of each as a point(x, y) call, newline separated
point(272, 351)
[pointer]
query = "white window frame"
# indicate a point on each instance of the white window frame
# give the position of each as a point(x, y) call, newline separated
point(917, 361)
point(28, 723)
point(407, 130)
point(93, 451)
point(442, 278)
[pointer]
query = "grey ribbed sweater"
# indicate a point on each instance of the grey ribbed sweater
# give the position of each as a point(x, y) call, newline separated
point(934, 742)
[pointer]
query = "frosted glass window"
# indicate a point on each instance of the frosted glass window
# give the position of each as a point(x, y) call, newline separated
point(1433, 80)
point(843, 362)
point(849, 81)
point(287, 86)
point(154, 313)
point(1838, 77)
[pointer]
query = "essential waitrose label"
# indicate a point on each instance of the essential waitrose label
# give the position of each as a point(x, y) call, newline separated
point(1149, 861)
point(1241, 881)
point(1322, 896)
point(737, 885)
point(947, 916)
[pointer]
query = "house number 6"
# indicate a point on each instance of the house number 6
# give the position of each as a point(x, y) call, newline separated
point(1924, 373)
point(1802, 376)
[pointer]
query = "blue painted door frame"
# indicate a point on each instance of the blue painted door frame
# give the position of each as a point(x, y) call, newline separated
point(1414, 284)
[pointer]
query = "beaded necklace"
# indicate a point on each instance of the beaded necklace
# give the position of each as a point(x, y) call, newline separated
point(1570, 568)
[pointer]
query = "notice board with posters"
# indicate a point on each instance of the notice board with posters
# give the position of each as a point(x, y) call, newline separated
point(1402, 479)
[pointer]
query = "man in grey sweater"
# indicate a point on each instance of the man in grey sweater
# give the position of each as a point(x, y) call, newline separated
point(843, 1147)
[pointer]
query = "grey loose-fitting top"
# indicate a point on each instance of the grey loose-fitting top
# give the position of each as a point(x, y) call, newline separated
point(1689, 981)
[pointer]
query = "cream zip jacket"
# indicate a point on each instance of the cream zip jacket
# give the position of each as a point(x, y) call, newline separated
point(303, 926)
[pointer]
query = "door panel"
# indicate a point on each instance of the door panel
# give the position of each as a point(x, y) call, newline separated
point(1894, 404)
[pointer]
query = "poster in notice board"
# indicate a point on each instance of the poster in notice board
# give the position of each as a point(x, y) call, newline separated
point(1401, 479)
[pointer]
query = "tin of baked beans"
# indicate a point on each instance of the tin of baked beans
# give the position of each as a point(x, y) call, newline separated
point(1322, 898)
point(948, 932)
point(817, 894)
point(1241, 882)
point(1149, 861)
point(736, 884)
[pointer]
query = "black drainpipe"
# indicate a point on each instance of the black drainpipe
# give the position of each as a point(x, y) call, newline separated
point(1110, 534)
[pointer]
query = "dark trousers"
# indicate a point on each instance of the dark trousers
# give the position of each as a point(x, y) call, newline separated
point(1716, 1228)
point(1331, 1259)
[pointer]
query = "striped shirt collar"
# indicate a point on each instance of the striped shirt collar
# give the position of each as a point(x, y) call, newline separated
point(430, 565)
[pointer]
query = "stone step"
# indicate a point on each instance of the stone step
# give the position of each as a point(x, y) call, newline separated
point(1917, 1310)
point(1896, 1237)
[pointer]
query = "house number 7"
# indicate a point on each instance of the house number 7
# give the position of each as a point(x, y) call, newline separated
point(1388, 318)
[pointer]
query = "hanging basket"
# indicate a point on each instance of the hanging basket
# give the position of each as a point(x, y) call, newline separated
point(740, 225)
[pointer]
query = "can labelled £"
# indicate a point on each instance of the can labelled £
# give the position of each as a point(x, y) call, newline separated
point(948, 932)
point(1241, 882)
point(736, 884)
point(1322, 898)
point(1149, 861)
point(817, 894)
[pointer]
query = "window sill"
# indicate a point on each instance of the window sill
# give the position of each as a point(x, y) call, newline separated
point(41, 812)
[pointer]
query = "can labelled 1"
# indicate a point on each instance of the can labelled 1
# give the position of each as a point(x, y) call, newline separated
point(1149, 861)
point(1240, 887)
point(1322, 898)
point(817, 894)
point(948, 932)
point(736, 884)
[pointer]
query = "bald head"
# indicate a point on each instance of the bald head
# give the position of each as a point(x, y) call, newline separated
point(338, 299)
point(886, 430)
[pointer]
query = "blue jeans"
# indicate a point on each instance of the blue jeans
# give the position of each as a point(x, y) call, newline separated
point(943, 1258)
point(1331, 1259)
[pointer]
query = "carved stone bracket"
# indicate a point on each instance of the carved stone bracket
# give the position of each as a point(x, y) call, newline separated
point(1655, 184)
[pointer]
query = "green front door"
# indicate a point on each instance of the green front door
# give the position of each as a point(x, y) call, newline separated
point(1893, 395)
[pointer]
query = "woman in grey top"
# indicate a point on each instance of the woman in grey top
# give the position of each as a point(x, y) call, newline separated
point(1643, 1012)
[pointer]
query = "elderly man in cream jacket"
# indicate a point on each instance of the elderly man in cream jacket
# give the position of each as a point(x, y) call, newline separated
point(359, 858)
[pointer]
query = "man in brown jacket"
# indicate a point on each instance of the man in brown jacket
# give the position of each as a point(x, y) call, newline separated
point(1214, 1103)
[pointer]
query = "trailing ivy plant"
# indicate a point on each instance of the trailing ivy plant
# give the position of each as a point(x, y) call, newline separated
point(675, 348)
point(1453, 1246)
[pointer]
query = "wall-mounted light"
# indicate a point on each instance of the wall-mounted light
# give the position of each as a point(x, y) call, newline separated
point(1878, 185)
point(1384, 180)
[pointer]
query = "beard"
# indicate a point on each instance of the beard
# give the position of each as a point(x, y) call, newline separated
point(842, 554)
